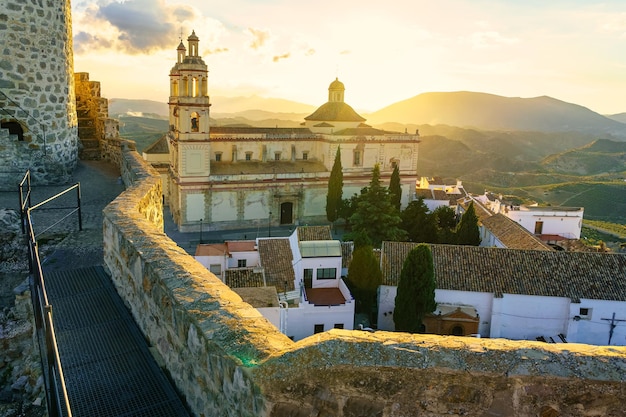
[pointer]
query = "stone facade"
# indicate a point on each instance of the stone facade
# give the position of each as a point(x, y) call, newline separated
point(37, 100)
point(227, 360)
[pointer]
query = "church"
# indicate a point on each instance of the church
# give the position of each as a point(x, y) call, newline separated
point(226, 177)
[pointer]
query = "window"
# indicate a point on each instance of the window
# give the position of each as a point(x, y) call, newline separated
point(241, 263)
point(248, 156)
point(357, 158)
point(216, 269)
point(327, 273)
point(305, 156)
point(218, 156)
point(338, 325)
point(319, 328)
point(276, 156)
point(308, 278)
point(538, 228)
point(584, 313)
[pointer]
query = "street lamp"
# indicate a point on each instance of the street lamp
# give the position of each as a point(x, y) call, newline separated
point(269, 225)
point(201, 231)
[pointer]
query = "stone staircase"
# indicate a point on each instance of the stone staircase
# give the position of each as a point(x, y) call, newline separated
point(87, 133)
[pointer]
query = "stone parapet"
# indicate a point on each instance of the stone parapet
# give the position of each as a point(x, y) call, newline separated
point(227, 360)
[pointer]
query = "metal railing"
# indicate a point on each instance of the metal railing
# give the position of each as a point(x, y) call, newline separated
point(56, 391)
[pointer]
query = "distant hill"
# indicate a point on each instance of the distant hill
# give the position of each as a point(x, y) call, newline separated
point(600, 156)
point(492, 112)
point(252, 108)
point(619, 117)
point(139, 108)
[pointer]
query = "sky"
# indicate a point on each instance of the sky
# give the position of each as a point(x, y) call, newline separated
point(383, 51)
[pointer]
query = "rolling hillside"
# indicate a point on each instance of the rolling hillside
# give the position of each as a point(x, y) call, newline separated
point(492, 112)
point(598, 157)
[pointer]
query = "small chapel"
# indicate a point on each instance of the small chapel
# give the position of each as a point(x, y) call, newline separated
point(226, 177)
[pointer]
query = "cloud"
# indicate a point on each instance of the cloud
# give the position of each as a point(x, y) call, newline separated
point(488, 39)
point(214, 51)
point(260, 37)
point(277, 58)
point(136, 26)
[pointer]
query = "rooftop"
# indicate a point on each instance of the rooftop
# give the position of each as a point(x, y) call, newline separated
point(325, 296)
point(314, 233)
point(511, 234)
point(575, 275)
point(276, 258)
point(320, 248)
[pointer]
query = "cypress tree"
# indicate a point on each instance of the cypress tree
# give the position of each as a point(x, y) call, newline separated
point(416, 290)
point(375, 215)
point(467, 232)
point(395, 190)
point(365, 276)
point(335, 189)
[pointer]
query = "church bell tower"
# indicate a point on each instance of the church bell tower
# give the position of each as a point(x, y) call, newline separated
point(189, 115)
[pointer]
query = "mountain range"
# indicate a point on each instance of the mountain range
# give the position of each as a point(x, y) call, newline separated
point(462, 109)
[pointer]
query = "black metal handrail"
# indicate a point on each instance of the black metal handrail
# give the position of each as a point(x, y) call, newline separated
point(56, 391)
point(43, 126)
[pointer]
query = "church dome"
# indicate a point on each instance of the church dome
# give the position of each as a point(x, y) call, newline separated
point(334, 111)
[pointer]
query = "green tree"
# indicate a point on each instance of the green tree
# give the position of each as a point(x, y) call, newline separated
point(467, 232)
point(395, 190)
point(364, 277)
point(419, 225)
point(445, 217)
point(375, 215)
point(416, 290)
point(335, 189)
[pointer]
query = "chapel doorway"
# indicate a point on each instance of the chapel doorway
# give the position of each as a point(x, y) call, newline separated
point(286, 213)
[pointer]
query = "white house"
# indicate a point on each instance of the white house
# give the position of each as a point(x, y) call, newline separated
point(564, 222)
point(523, 294)
point(436, 193)
point(294, 282)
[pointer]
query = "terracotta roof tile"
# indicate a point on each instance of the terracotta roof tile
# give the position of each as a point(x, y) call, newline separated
point(576, 275)
point(276, 257)
point(314, 233)
point(241, 246)
point(243, 278)
point(511, 234)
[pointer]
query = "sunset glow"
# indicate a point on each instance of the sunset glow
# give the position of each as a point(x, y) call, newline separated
point(384, 52)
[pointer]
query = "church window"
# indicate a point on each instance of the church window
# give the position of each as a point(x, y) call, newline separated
point(248, 156)
point(305, 156)
point(357, 159)
point(195, 122)
point(194, 87)
point(14, 128)
point(218, 156)
point(276, 156)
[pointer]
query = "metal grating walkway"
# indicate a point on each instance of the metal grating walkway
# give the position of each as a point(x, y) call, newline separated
point(108, 368)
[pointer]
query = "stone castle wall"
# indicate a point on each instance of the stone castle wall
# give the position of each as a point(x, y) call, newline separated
point(227, 360)
point(37, 92)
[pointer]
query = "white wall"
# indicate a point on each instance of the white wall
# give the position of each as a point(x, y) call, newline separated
point(592, 329)
point(301, 321)
point(525, 317)
point(251, 257)
point(562, 223)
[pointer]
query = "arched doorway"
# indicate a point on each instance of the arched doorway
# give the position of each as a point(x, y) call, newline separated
point(458, 330)
point(14, 128)
point(286, 213)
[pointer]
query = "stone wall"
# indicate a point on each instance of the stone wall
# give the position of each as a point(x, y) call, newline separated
point(227, 360)
point(37, 92)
